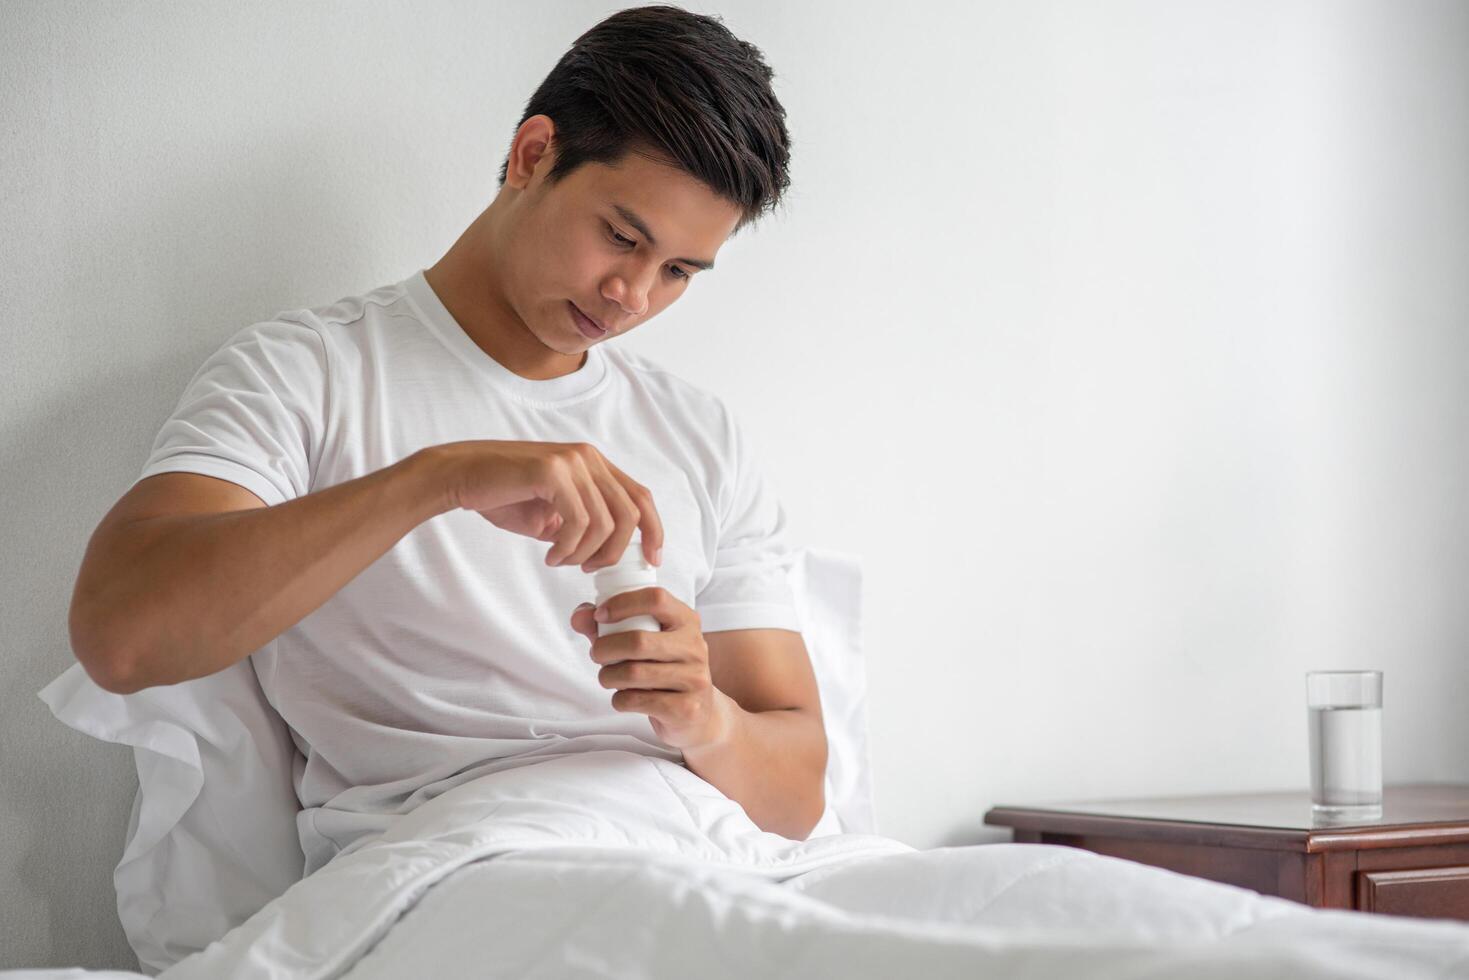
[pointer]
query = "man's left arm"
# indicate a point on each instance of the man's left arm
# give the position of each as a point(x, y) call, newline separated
point(741, 704)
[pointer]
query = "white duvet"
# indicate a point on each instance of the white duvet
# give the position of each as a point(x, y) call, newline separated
point(610, 864)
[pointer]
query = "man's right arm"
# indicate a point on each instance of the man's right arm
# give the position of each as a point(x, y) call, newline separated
point(187, 574)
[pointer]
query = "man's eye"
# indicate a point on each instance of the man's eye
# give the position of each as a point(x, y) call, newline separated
point(675, 270)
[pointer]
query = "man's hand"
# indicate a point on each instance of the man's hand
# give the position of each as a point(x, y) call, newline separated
point(565, 492)
point(663, 675)
point(757, 738)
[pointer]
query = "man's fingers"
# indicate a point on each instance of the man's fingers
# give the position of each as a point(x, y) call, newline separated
point(582, 621)
point(625, 517)
point(649, 523)
point(656, 601)
point(600, 507)
point(551, 526)
point(669, 707)
point(581, 499)
point(600, 522)
point(634, 645)
point(644, 675)
point(566, 498)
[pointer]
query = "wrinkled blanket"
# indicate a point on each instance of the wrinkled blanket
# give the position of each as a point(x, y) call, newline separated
point(610, 864)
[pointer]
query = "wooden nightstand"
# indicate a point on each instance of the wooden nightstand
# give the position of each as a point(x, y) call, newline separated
point(1412, 861)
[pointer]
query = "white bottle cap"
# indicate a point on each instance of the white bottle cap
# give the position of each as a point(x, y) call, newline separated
point(632, 570)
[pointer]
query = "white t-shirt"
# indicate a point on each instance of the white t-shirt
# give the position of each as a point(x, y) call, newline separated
point(453, 654)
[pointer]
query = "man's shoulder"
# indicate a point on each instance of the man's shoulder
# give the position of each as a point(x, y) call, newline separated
point(389, 299)
point(339, 324)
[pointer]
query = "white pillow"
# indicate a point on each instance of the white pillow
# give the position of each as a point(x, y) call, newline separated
point(213, 838)
point(828, 591)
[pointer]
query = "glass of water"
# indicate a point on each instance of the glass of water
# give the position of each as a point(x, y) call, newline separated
point(1344, 708)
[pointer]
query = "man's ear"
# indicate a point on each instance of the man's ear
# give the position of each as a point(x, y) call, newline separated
point(533, 148)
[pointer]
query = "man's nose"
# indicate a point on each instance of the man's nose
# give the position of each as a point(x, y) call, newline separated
point(633, 294)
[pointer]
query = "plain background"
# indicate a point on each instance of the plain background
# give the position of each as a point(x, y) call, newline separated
point(1125, 343)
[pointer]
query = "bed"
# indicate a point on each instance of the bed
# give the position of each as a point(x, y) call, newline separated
point(607, 863)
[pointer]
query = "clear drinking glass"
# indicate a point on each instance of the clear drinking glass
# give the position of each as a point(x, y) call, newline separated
point(1344, 710)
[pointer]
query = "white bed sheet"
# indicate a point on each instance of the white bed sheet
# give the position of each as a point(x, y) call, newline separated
point(993, 911)
point(613, 864)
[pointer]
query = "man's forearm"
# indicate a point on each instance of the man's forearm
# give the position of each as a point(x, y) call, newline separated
point(773, 763)
point(168, 599)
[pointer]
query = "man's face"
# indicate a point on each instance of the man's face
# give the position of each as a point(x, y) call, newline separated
point(618, 243)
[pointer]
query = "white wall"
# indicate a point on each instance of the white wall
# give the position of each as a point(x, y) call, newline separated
point(1126, 343)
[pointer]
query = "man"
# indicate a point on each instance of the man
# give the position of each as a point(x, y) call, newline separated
point(356, 495)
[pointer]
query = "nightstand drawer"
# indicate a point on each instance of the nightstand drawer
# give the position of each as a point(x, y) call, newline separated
point(1425, 892)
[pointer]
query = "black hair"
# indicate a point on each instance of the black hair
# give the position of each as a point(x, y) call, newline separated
point(676, 87)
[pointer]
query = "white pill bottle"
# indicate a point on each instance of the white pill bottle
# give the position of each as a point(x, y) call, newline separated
point(632, 572)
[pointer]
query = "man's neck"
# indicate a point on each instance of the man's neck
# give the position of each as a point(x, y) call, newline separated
point(476, 304)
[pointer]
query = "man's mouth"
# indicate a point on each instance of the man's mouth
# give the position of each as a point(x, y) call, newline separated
point(589, 327)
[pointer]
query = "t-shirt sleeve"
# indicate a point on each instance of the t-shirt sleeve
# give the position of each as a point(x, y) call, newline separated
point(253, 414)
point(749, 587)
